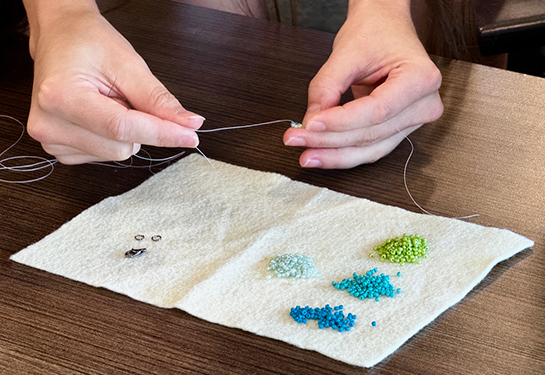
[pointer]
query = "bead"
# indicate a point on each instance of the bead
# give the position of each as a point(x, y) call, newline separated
point(293, 265)
point(367, 286)
point(407, 249)
point(373, 323)
point(399, 274)
point(294, 124)
point(327, 317)
point(398, 290)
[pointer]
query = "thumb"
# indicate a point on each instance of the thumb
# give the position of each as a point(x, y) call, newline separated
point(147, 94)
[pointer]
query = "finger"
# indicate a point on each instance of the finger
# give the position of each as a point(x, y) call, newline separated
point(111, 120)
point(147, 94)
point(421, 112)
point(70, 155)
point(349, 157)
point(403, 87)
point(55, 136)
point(326, 87)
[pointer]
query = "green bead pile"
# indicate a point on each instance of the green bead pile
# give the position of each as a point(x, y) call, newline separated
point(407, 249)
point(293, 265)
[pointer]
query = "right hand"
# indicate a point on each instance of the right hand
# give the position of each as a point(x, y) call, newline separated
point(378, 55)
point(86, 74)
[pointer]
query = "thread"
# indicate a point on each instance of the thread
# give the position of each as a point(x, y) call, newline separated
point(407, 187)
point(42, 163)
point(292, 123)
point(38, 163)
point(295, 124)
point(49, 164)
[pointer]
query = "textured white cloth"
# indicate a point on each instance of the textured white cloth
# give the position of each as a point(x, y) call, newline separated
point(220, 228)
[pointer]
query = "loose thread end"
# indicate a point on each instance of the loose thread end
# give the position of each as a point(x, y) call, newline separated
point(407, 187)
point(204, 156)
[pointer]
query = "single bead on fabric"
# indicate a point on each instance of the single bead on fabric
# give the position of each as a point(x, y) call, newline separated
point(327, 317)
point(373, 323)
point(407, 249)
point(367, 286)
point(293, 265)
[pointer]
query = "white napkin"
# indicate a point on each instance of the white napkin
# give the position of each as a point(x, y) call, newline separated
point(221, 226)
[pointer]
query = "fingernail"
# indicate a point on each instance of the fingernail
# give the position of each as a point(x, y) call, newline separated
point(188, 116)
point(312, 163)
point(295, 141)
point(315, 126)
point(191, 141)
point(196, 117)
point(135, 148)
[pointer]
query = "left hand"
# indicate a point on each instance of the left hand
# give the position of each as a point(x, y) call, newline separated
point(395, 85)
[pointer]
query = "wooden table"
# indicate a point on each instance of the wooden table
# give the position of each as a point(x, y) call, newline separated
point(486, 155)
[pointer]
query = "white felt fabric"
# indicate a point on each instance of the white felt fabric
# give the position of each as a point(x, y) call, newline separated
point(220, 227)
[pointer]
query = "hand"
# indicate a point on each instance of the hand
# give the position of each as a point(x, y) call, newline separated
point(395, 85)
point(86, 74)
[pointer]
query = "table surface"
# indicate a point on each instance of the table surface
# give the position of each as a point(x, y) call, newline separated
point(485, 156)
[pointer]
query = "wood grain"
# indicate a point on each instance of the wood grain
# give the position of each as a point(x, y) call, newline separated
point(485, 156)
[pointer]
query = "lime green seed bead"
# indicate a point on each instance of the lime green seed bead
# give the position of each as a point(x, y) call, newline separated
point(404, 249)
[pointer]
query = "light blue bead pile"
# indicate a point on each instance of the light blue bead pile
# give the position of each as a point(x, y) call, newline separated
point(368, 285)
point(293, 265)
point(327, 317)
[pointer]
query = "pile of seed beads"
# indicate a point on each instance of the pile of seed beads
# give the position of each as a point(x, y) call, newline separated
point(292, 265)
point(326, 317)
point(368, 285)
point(407, 249)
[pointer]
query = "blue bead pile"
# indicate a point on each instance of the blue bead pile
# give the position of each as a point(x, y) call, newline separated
point(326, 316)
point(368, 286)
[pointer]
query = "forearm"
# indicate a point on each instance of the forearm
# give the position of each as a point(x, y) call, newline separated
point(44, 15)
point(396, 8)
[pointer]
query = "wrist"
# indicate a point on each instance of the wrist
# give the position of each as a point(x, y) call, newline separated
point(46, 15)
point(390, 8)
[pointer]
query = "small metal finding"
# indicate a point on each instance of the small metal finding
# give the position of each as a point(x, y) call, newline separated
point(139, 237)
point(135, 252)
point(156, 238)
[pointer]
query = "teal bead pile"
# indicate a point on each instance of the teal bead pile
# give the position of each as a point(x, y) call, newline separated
point(293, 265)
point(407, 249)
point(368, 285)
point(327, 317)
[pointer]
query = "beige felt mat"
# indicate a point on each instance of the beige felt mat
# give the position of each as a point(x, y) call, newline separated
point(220, 227)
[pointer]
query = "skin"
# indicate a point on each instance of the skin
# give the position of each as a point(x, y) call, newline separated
point(84, 81)
point(85, 75)
point(378, 55)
